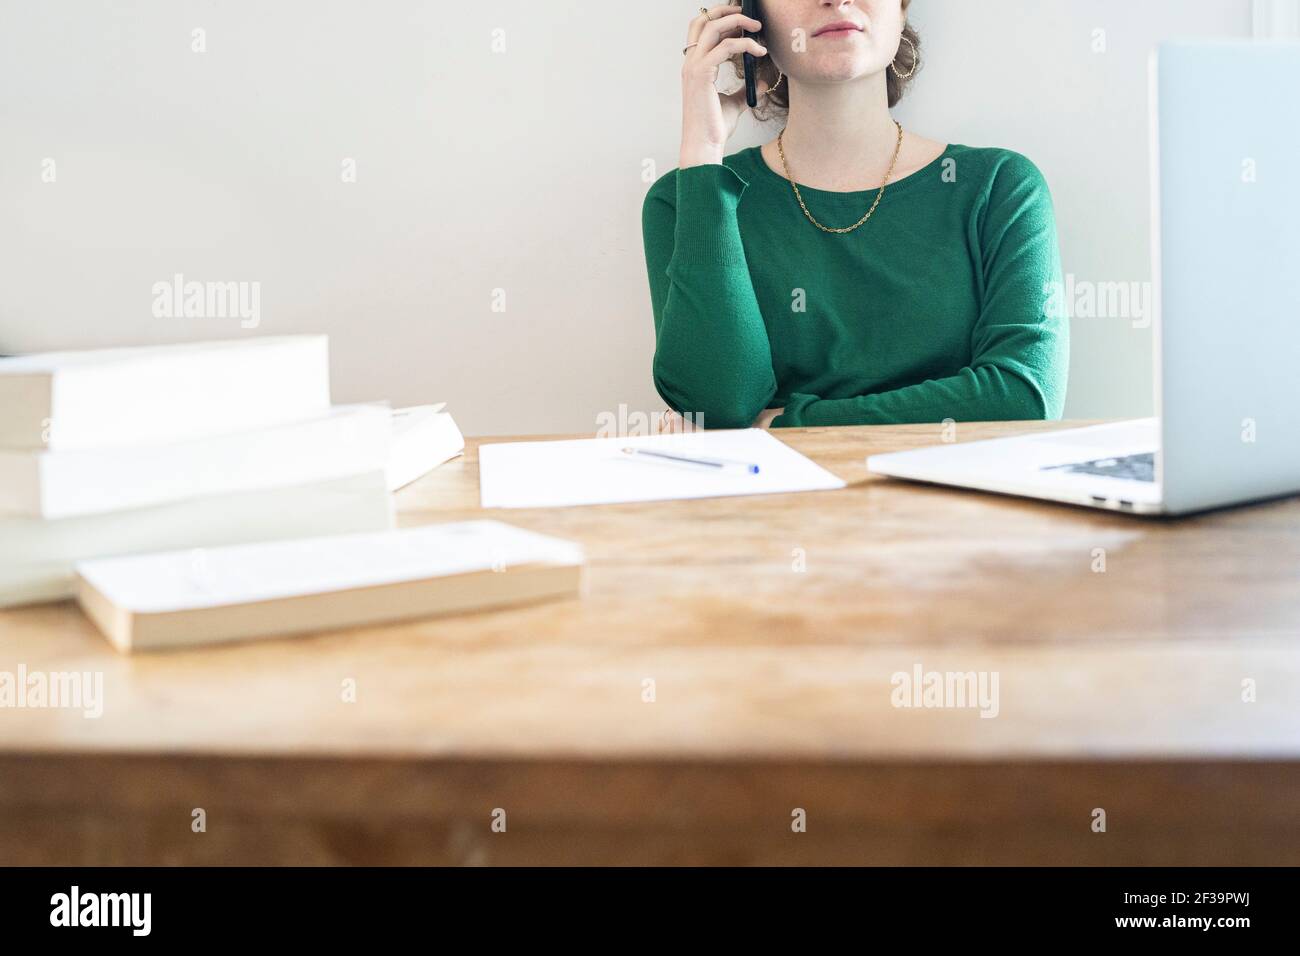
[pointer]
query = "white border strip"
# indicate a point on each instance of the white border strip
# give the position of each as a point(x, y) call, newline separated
point(1157, 265)
point(1276, 19)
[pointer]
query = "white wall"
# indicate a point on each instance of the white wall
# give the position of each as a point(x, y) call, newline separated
point(520, 170)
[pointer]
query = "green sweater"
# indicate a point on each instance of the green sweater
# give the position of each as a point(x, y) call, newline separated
point(939, 307)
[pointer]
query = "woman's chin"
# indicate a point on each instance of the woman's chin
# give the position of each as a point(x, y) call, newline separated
point(838, 69)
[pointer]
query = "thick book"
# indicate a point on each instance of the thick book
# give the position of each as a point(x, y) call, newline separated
point(182, 599)
point(133, 396)
point(37, 556)
point(347, 440)
point(424, 437)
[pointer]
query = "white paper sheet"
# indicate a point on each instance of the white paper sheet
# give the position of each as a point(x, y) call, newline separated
point(557, 474)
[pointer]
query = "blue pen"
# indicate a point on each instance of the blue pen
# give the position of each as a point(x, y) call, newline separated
point(716, 464)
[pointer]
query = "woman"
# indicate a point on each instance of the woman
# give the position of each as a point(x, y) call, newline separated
point(850, 272)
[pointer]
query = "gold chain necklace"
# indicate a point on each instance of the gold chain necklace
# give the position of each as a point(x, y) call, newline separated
point(780, 148)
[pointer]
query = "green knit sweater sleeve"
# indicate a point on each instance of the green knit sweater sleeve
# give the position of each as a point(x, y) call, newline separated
point(1019, 350)
point(712, 355)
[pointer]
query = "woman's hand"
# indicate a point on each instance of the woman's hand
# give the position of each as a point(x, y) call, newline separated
point(765, 420)
point(709, 118)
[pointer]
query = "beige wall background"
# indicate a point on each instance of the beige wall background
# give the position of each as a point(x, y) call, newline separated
point(488, 251)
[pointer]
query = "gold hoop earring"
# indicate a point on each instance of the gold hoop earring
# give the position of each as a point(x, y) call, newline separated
point(915, 60)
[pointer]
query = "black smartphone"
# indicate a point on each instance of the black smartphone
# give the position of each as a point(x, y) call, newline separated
point(750, 9)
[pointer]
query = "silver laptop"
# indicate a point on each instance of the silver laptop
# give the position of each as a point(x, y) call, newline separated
point(1226, 257)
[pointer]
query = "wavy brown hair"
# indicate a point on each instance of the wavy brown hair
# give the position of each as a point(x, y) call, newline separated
point(906, 62)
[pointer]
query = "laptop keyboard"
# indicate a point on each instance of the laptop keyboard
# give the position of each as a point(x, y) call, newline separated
point(1132, 467)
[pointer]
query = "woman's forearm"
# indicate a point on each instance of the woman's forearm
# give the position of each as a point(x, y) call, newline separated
point(985, 394)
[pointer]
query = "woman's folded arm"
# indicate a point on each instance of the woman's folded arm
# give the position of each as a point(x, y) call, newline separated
point(1020, 342)
point(712, 355)
point(984, 394)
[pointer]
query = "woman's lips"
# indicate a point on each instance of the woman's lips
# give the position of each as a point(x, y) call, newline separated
point(843, 32)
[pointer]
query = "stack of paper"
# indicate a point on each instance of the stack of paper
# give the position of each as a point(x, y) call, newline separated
point(123, 451)
point(423, 438)
point(132, 396)
point(337, 443)
point(183, 598)
point(37, 556)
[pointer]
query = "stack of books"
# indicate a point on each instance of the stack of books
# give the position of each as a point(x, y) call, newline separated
point(128, 451)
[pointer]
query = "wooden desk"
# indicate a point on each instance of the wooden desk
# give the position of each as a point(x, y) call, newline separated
point(1119, 690)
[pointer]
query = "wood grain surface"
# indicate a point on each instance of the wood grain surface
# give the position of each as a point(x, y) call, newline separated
point(1147, 668)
